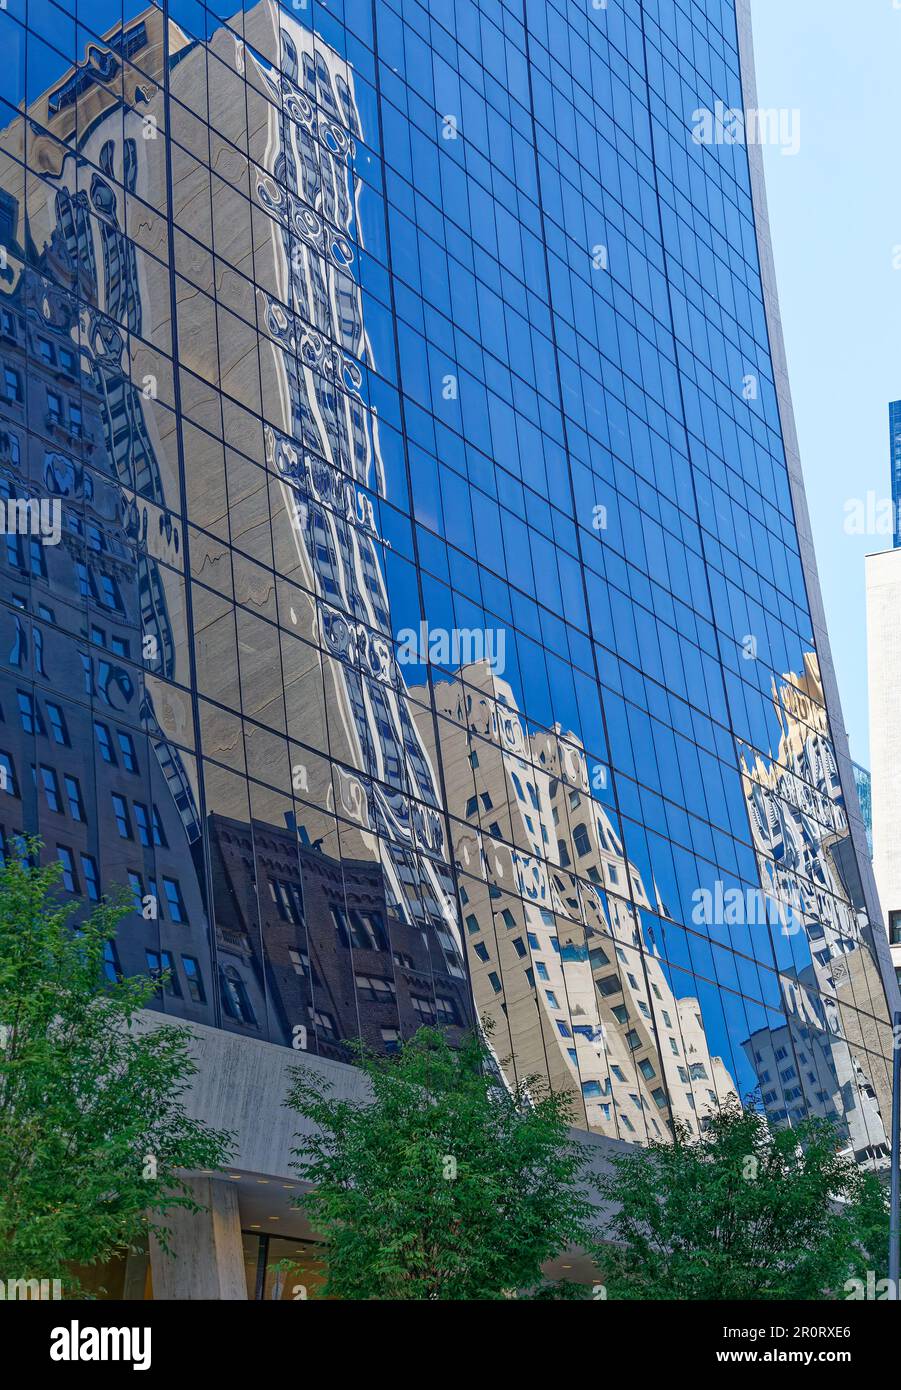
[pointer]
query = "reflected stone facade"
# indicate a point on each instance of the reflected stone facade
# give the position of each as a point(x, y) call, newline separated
point(329, 332)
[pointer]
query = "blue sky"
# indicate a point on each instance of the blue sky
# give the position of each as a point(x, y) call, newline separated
point(835, 215)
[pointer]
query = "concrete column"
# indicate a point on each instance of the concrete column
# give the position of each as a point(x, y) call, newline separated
point(207, 1259)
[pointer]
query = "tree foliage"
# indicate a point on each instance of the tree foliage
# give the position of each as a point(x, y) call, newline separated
point(745, 1211)
point(93, 1124)
point(442, 1184)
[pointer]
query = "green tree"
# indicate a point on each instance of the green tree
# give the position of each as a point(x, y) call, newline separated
point(93, 1124)
point(441, 1184)
point(746, 1210)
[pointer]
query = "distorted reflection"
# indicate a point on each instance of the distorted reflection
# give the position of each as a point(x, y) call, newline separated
point(828, 1058)
point(204, 348)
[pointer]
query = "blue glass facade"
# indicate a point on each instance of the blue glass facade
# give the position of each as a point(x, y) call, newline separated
point(894, 434)
point(428, 634)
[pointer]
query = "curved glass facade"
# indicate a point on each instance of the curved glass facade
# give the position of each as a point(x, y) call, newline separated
point(401, 586)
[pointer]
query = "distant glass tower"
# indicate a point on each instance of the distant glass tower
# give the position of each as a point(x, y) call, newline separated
point(894, 435)
point(433, 631)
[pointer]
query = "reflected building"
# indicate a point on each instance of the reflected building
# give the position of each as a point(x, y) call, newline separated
point(560, 959)
point(864, 783)
point(826, 1058)
point(328, 330)
point(226, 544)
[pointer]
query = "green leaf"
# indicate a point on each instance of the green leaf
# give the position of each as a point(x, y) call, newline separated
point(94, 1132)
point(442, 1184)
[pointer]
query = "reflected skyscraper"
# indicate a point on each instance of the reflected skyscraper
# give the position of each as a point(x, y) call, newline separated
point(864, 781)
point(434, 617)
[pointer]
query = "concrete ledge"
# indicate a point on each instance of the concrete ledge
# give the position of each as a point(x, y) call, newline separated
point(241, 1085)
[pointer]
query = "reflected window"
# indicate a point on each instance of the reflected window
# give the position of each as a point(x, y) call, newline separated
point(375, 989)
point(136, 884)
point(235, 999)
point(172, 985)
point(123, 821)
point(363, 930)
point(446, 1010)
point(174, 901)
point(423, 1007)
point(127, 749)
point(104, 744)
point(142, 821)
point(194, 979)
point(69, 876)
point(7, 775)
point(325, 1025)
point(159, 834)
point(73, 797)
point(154, 969)
point(51, 788)
point(12, 384)
point(111, 967)
point(91, 877)
point(29, 713)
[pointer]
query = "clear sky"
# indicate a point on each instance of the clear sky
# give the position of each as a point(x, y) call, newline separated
point(835, 216)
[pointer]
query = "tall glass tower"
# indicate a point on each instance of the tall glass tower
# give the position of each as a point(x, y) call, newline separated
point(894, 433)
point(431, 631)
